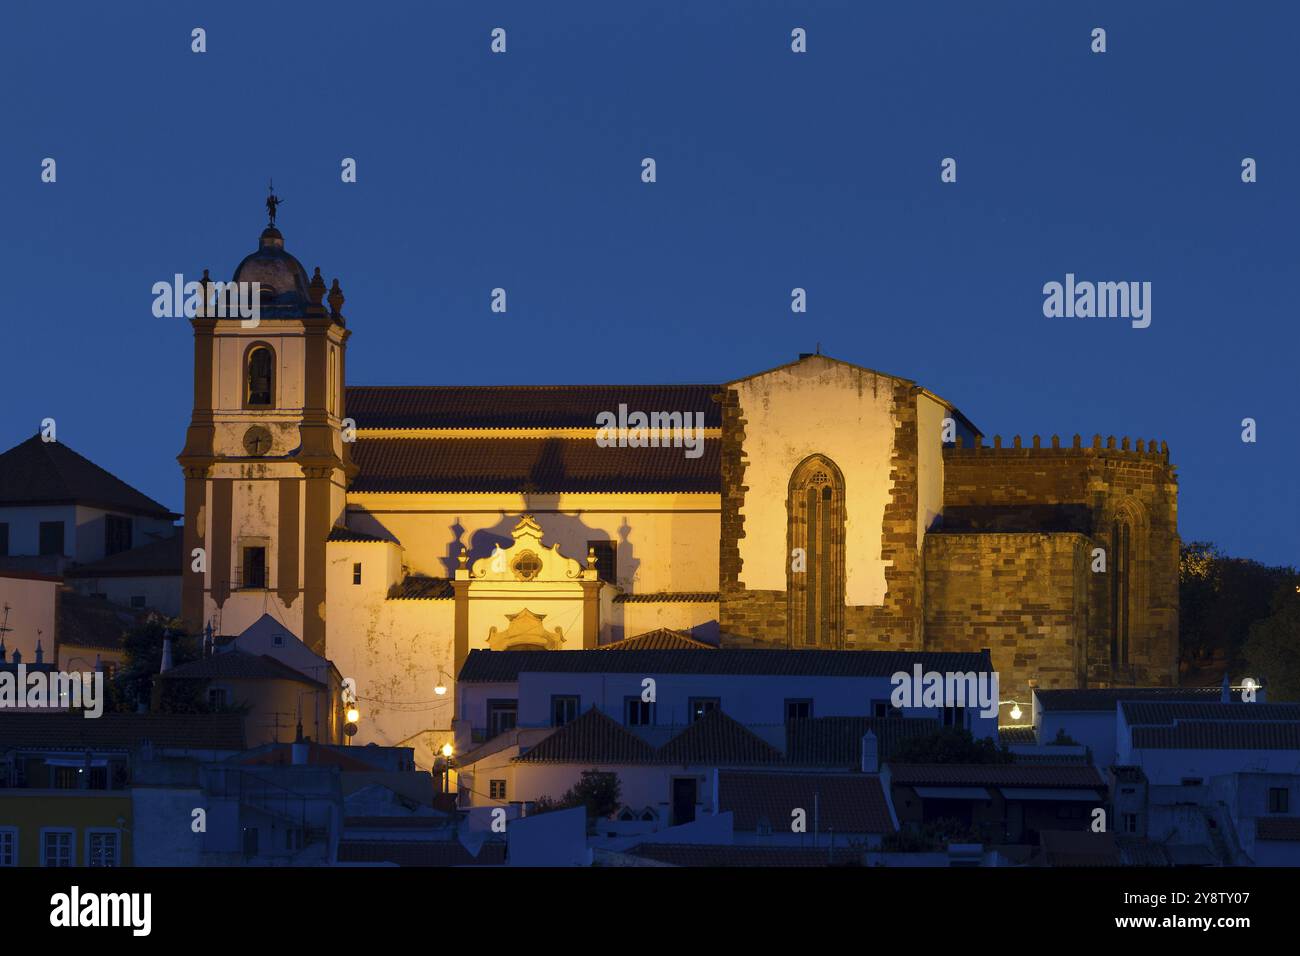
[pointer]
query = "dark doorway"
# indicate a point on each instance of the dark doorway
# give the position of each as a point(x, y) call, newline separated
point(684, 794)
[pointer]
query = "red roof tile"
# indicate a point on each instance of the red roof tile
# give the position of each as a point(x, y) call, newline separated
point(1278, 828)
point(40, 472)
point(592, 737)
point(845, 803)
point(113, 731)
point(996, 775)
point(529, 465)
point(682, 854)
point(519, 406)
point(419, 853)
point(660, 639)
point(717, 740)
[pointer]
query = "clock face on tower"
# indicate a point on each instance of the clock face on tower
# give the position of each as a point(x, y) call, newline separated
point(257, 440)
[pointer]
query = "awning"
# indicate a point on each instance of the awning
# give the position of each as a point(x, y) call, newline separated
point(1048, 793)
point(952, 793)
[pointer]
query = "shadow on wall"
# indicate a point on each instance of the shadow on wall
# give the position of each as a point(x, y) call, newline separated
point(569, 531)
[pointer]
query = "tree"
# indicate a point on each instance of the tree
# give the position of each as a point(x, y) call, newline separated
point(1273, 649)
point(1219, 599)
point(599, 791)
point(950, 745)
point(142, 646)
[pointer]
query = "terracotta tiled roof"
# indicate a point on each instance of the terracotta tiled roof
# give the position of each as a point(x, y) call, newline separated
point(1078, 848)
point(396, 823)
point(1278, 828)
point(1105, 698)
point(416, 587)
point(593, 737)
point(94, 622)
point(39, 472)
point(1220, 735)
point(1167, 713)
point(506, 666)
point(660, 639)
point(836, 742)
point(716, 739)
point(1072, 776)
point(538, 465)
point(357, 537)
point(237, 665)
point(1017, 735)
point(520, 406)
point(846, 803)
point(419, 853)
point(685, 854)
point(155, 558)
point(669, 597)
point(112, 731)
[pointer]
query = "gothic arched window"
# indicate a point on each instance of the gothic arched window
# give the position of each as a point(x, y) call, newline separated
point(1128, 580)
point(816, 539)
point(259, 377)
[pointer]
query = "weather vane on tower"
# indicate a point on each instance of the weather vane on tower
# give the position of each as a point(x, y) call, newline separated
point(272, 200)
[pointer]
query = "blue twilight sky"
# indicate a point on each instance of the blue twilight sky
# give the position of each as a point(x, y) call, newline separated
point(775, 170)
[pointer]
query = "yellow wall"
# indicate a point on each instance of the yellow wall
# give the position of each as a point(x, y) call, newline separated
point(30, 811)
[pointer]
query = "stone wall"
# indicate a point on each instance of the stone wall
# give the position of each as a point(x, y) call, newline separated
point(758, 617)
point(1130, 481)
point(1022, 596)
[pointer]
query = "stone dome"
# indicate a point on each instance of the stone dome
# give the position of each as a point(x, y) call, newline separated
point(283, 279)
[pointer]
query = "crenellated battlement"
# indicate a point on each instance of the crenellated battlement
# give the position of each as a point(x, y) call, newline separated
point(1127, 448)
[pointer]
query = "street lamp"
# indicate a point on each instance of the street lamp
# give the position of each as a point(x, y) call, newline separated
point(441, 688)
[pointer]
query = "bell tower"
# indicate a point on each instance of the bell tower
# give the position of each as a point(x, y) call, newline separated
point(266, 467)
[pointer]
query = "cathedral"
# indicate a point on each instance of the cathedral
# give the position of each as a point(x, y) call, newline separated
point(818, 505)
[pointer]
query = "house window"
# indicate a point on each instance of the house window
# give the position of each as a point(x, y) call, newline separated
point(502, 715)
point(884, 708)
point(563, 709)
point(217, 698)
point(138, 600)
point(56, 848)
point(1191, 781)
point(356, 573)
point(117, 534)
point(699, 706)
point(4, 539)
point(797, 709)
point(66, 778)
point(606, 560)
point(638, 712)
point(8, 847)
point(255, 567)
point(1130, 823)
point(51, 537)
point(293, 840)
point(260, 378)
point(815, 514)
point(102, 848)
point(1279, 800)
point(954, 717)
point(497, 789)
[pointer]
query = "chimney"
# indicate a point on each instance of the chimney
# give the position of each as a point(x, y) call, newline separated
point(1225, 695)
point(870, 753)
point(166, 655)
